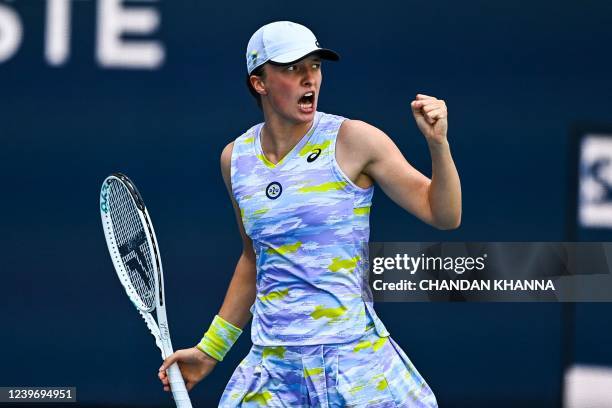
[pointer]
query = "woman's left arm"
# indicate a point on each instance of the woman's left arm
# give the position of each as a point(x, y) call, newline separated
point(436, 201)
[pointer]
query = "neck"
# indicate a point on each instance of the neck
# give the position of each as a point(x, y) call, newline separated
point(280, 135)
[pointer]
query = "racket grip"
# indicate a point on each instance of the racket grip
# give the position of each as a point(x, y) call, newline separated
point(177, 385)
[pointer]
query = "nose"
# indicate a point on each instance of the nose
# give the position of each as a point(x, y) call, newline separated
point(308, 79)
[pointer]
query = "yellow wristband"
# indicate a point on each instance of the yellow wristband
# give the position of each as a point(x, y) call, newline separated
point(219, 338)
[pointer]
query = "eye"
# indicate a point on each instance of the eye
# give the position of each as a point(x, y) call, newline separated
point(316, 66)
point(291, 68)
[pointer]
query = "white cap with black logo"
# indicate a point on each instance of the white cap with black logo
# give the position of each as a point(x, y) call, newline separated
point(283, 42)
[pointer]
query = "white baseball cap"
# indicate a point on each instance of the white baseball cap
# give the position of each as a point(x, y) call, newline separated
point(283, 42)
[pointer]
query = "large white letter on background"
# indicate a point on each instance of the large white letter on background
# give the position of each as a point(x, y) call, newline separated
point(57, 31)
point(11, 33)
point(115, 20)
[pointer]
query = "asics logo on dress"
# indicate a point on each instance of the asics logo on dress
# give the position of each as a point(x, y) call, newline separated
point(313, 156)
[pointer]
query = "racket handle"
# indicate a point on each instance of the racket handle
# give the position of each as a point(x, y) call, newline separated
point(177, 385)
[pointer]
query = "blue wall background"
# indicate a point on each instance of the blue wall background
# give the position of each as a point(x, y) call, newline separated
point(515, 76)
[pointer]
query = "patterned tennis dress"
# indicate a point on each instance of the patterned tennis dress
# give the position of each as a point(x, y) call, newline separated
point(317, 341)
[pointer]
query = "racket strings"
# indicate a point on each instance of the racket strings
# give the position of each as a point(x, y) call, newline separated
point(132, 243)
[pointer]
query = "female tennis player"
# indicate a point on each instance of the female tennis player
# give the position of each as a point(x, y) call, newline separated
point(301, 184)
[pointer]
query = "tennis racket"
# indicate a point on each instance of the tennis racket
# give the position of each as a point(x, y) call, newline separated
point(133, 248)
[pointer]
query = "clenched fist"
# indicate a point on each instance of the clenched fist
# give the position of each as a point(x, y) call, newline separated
point(431, 115)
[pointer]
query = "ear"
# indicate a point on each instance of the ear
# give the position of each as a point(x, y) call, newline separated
point(258, 84)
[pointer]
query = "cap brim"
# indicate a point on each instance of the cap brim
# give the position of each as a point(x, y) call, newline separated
point(295, 56)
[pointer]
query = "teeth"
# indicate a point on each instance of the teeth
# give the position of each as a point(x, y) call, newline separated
point(305, 105)
point(308, 94)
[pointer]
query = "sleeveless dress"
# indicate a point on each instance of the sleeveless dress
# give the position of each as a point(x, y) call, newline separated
point(317, 341)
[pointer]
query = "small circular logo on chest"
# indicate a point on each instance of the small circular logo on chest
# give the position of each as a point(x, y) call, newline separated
point(313, 156)
point(274, 190)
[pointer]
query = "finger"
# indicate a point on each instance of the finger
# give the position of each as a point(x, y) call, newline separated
point(163, 377)
point(422, 96)
point(416, 108)
point(427, 119)
point(416, 104)
point(171, 359)
point(436, 114)
point(433, 106)
point(426, 102)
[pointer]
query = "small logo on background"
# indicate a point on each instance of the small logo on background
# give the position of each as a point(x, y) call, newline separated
point(274, 190)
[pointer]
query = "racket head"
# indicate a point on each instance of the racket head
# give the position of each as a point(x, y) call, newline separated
point(131, 241)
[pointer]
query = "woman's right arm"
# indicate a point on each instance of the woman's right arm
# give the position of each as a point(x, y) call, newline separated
point(241, 292)
point(195, 365)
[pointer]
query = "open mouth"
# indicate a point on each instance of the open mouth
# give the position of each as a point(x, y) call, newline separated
point(306, 102)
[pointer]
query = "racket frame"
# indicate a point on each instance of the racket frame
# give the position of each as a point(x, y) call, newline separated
point(159, 329)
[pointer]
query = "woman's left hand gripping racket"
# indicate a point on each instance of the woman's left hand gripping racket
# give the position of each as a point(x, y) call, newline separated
point(133, 248)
